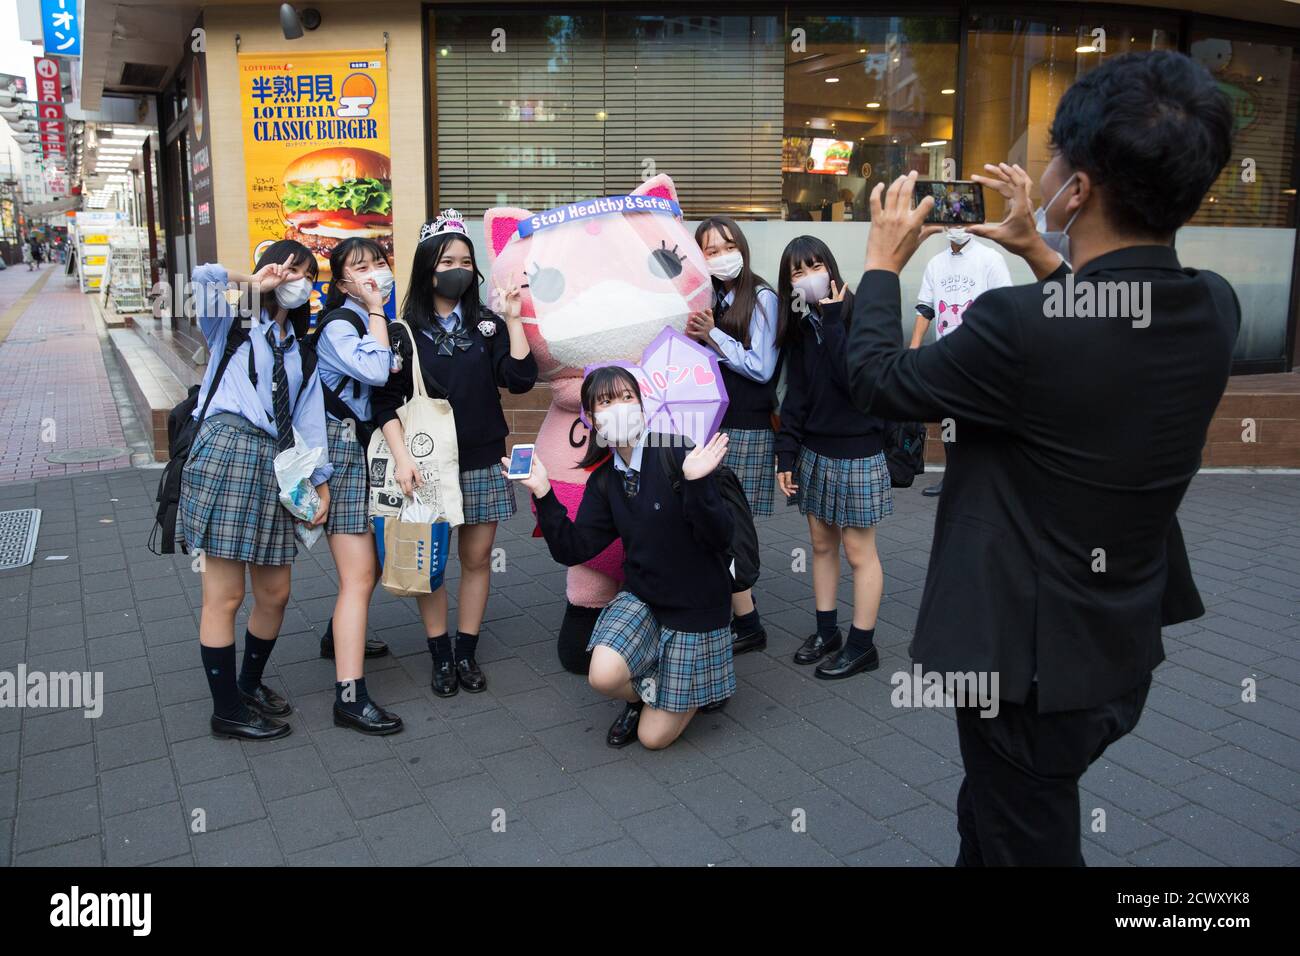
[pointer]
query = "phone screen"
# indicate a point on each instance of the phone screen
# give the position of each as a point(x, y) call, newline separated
point(521, 461)
point(956, 202)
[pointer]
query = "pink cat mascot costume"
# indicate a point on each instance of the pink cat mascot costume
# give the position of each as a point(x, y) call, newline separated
point(595, 290)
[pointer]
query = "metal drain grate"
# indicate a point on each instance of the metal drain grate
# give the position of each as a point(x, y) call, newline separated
point(18, 530)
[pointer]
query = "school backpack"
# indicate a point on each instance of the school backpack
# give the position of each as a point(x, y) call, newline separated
point(334, 403)
point(183, 428)
point(904, 452)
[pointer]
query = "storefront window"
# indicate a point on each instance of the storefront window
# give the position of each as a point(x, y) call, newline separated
point(1017, 70)
point(866, 98)
point(570, 107)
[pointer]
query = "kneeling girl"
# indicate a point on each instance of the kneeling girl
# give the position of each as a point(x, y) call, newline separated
point(663, 644)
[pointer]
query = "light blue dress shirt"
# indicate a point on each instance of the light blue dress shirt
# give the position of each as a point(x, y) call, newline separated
point(236, 393)
point(635, 463)
point(343, 354)
point(758, 362)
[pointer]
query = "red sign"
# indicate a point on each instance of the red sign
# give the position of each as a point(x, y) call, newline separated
point(49, 107)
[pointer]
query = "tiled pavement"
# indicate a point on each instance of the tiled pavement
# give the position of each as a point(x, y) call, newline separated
point(1206, 778)
point(54, 387)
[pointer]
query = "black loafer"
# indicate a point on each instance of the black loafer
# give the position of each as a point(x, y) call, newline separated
point(251, 727)
point(623, 731)
point(471, 677)
point(445, 683)
point(372, 720)
point(266, 701)
point(750, 642)
point(846, 664)
point(373, 648)
point(714, 707)
point(817, 647)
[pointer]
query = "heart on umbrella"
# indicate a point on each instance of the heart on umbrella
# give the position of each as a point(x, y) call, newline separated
point(703, 376)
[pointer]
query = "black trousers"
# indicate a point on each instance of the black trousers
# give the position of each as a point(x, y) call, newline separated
point(1019, 802)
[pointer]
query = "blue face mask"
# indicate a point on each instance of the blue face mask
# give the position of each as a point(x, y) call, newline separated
point(1057, 241)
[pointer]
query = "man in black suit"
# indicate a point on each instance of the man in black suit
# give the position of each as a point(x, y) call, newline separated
point(1081, 405)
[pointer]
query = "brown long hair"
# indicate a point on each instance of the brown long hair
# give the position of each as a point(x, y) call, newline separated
point(745, 290)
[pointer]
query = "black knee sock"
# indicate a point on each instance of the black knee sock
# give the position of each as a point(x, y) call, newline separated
point(747, 624)
point(350, 695)
point(827, 623)
point(440, 648)
point(219, 665)
point(256, 653)
point(575, 632)
point(860, 640)
point(466, 645)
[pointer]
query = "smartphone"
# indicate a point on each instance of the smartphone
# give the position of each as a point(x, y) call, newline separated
point(956, 202)
point(521, 461)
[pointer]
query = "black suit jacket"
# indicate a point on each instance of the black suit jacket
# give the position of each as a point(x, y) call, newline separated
point(1076, 438)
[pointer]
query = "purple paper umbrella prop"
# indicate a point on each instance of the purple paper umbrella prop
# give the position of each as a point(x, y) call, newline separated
point(681, 386)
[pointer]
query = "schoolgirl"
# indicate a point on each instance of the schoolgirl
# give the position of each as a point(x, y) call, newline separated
point(229, 503)
point(466, 351)
point(353, 356)
point(830, 458)
point(663, 644)
point(745, 328)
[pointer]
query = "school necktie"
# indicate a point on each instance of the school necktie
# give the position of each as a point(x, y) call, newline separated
point(631, 482)
point(447, 339)
point(280, 395)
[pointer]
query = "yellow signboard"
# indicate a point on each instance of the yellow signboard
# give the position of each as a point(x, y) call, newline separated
point(316, 150)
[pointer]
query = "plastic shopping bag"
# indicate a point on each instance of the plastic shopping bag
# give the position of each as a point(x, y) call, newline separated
point(412, 549)
point(293, 471)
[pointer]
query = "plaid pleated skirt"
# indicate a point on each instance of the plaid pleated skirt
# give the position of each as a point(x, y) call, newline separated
point(671, 670)
point(230, 506)
point(846, 492)
point(751, 454)
point(349, 485)
point(486, 495)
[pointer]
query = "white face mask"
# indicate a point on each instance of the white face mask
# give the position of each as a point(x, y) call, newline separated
point(383, 280)
point(1059, 241)
point(293, 293)
point(814, 285)
point(726, 266)
point(957, 235)
point(621, 424)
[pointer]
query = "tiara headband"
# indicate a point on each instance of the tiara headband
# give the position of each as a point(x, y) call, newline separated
point(448, 221)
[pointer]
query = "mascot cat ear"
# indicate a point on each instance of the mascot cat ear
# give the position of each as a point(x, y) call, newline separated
point(499, 224)
point(660, 186)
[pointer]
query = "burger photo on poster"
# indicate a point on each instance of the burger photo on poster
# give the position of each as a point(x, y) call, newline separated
point(335, 193)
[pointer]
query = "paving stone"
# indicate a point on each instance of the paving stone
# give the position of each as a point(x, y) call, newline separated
point(83, 852)
point(290, 772)
point(673, 836)
point(311, 820)
point(527, 774)
point(58, 771)
point(146, 836)
point(1222, 839)
point(870, 787)
point(245, 844)
point(137, 787)
point(519, 845)
point(616, 853)
point(571, 821)
point(377, 788)
point(726, 805)
point(778, 845)
point(133, 743)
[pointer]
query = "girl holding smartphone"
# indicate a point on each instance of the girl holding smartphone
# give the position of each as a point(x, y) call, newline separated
point(662, 645)
point(830, 458)
point(467, 352)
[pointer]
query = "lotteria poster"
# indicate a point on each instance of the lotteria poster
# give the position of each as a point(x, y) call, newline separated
point(316, 151)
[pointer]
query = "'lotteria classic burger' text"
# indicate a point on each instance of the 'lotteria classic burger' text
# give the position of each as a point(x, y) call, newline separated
point(335, 193)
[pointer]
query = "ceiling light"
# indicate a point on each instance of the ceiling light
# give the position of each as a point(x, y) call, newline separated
point(1086, 48)
point(832, 79)
point(948, 92)
point(863, 50)
point(936, 142)
point(873, 105)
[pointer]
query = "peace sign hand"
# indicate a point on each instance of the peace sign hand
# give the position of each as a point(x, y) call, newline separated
point(837, 293)
point(510, 301)
point(704, 459)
